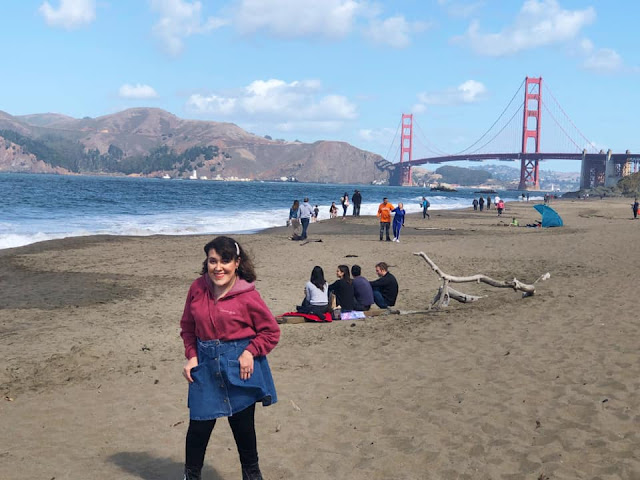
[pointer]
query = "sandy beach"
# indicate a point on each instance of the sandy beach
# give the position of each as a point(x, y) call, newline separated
point(544, 387)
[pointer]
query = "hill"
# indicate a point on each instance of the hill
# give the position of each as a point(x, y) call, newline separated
point(153, 142)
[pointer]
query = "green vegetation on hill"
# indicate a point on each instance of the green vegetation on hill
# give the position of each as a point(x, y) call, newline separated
point(463, 176)
point(630, 185)
point(69, 154)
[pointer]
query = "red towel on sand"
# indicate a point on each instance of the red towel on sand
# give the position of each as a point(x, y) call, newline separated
point(309, 316)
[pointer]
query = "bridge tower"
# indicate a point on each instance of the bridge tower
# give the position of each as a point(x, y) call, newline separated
point(529, 173)
point(406, 149)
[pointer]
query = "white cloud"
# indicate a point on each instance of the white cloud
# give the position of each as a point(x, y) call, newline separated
point(470, 91)
point(332, 19)
point(290, 105)
point(600, 60)
point(70, 14)
point(137, 91)
point(382, 136)
point(296, 18)
point(539, 23)
point(180, 19)
point(460, 9)
point(604, 60)
point(394, 31)
point(419, 108)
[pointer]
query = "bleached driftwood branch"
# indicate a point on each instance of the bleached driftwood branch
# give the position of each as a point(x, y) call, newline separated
point(446, 292)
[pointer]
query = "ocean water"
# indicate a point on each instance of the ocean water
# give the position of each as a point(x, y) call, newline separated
point(34, 208)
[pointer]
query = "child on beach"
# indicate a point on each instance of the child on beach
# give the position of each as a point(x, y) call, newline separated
point(227, 331)
point(333, 210)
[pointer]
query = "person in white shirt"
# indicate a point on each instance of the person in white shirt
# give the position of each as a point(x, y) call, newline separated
point(306, 211)
point(316, 294)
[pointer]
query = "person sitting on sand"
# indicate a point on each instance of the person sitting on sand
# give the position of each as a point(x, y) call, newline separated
point(514, 222)
point(362, 290)
point(316, 294)
point(227, 331)
point(333, 210)
point(343, 289)
point(385, 288)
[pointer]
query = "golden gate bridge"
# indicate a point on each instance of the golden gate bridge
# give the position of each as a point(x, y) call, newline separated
point(563, 142)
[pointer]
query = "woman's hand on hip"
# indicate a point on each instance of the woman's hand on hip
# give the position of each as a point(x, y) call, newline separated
point(186, 370)
point(246, 365)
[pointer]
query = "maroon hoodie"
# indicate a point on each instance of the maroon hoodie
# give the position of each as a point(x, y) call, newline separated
point(240, 314)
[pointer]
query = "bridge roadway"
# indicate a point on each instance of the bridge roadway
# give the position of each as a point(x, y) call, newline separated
point(616, 157)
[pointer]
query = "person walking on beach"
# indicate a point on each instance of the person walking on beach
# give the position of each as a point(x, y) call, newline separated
point(481, 203)
point(488, 202)
point(500, 207)
point(227, 331)
point(357, 201)
point(475, 204)
point(385, 288)
point(316, 212)
point(425, 207)
point(294, 220)
point(634, 207)
point(345, 203)
point(305, 217)
point(398, 221)
point(384, 214)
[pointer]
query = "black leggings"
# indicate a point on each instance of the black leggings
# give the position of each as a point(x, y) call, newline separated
point(243, 427)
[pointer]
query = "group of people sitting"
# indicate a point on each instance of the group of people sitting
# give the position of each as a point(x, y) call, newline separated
point(352, 291)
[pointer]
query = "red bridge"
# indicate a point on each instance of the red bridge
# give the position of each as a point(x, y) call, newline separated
point(598, 167)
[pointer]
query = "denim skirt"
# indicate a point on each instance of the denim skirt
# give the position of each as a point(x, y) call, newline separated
point(217, 389)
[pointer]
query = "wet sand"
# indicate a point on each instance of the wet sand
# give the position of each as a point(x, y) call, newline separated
point(504, 388)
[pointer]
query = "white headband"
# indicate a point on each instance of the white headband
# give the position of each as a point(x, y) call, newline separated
point(237, 249)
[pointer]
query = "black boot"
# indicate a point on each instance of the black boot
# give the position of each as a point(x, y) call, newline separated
point(191, 473)
point(251, 472)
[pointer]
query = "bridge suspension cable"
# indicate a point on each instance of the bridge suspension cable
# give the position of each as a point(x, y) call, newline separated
point(426, 144)
point(466, 150)
point(588, 144)
point(393, 142)
point(516, 112)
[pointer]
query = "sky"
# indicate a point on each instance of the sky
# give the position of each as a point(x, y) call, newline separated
point(341, 70)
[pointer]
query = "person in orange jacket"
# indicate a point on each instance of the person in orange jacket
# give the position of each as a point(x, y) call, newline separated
point(384, 214)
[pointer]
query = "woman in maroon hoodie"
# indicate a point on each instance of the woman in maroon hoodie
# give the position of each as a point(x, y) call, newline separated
point(227, 331)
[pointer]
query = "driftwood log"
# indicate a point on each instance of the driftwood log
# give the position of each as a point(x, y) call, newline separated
point(446, 292)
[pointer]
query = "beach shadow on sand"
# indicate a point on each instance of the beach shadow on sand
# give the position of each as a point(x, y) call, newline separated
point(149, 467)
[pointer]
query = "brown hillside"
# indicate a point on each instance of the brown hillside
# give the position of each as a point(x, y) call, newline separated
point(138, 131)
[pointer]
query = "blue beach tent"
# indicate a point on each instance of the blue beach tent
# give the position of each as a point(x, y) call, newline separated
point(550, 217)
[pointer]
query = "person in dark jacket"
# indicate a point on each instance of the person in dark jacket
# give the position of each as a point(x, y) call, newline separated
point(357, 200)
point(344, 200)
point(362, 290)
point(385, 288)
point(343, 289)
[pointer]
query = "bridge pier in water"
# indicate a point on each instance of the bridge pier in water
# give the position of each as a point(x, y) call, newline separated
point(605, 169)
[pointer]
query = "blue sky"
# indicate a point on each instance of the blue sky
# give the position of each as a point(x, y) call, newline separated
point(332, 69)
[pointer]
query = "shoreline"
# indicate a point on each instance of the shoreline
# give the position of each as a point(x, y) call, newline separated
point(506, 387)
